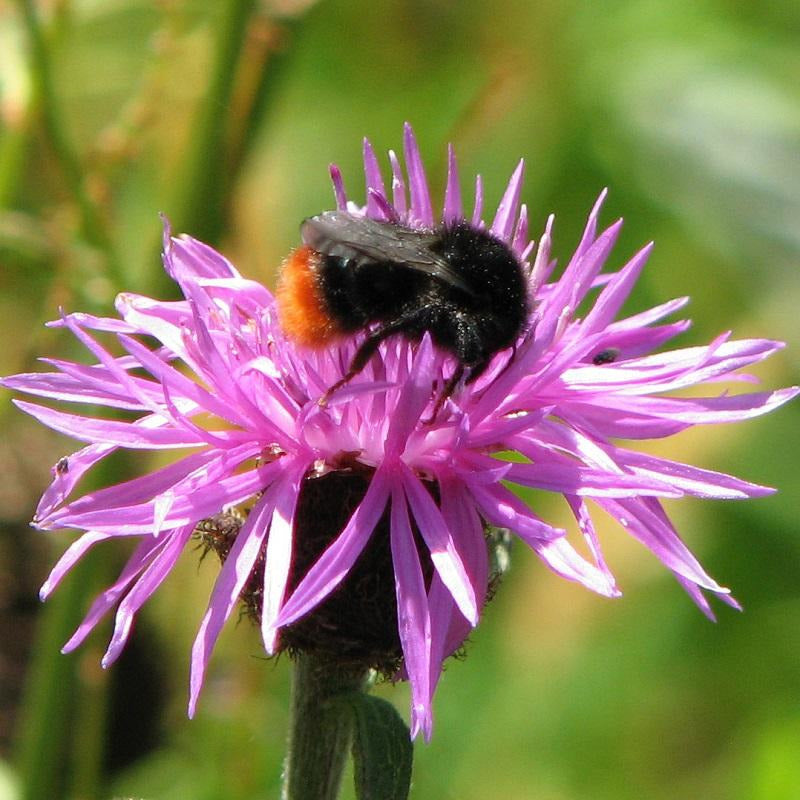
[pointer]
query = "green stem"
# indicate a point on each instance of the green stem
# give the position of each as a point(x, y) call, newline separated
point(93, 227)
point(271, 81)
point(203, 179)
point(321, 729)
point(205, 169)
point(13, 148)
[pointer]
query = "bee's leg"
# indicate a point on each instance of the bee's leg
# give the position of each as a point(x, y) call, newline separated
point(362, 356)
point(447, 391)
point(450, 386)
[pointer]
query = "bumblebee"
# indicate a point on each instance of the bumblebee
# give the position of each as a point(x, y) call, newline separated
point(457, 282)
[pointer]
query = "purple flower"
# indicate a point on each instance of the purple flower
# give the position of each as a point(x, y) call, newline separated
point(223, 381)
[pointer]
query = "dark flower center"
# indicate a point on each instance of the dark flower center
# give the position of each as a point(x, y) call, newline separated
point(357, 623)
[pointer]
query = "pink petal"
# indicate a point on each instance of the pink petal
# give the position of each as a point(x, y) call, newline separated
point(279, 550)
point(164, 321)
point(443, 549)
point(68, 559)
point(645, 521)
point(415, 394)
point(122, 434)
point(477, 209)
point(142, 556)
point(125, 381)
point(399, 199)
point(625, 424)
point(64, 482)
point(650, 316)
point(693, 480)
point(72, 389)
point(380, 208)
point(575, 282)
point(616, 292)
point(229, 584)
point(413, 618)
point(182, 385)
point(338, 187)
point(520, 241)
point(640, 341)
point(453, 210)
point(561, 557)
point(586, 525)
point(421, 209)
point(153, 576)
point(542, 264)
point(503, 509)
point(590, 231)
point(188, 259)
point(702, 410)
point(374, 180)
point(145, 487)
point(212, 493)
point(568, 478)
point(449, 627)
point(334, 564)
point(504, 219)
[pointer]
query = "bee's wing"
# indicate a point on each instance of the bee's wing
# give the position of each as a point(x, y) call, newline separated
point(360, 239)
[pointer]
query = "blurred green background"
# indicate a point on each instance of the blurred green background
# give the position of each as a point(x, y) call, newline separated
point(225, 115)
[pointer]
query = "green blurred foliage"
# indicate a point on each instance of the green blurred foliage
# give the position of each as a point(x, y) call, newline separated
point(225, 115)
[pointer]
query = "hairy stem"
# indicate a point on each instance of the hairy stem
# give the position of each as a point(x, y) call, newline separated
point(321, 729)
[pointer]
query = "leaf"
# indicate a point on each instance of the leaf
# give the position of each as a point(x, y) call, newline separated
point(382, 749)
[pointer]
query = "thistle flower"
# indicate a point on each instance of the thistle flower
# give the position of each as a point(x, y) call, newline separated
point(384, 486)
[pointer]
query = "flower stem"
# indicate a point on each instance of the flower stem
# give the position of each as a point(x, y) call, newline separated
point(321, 729)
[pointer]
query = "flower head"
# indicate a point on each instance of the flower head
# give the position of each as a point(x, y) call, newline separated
point(298, 496)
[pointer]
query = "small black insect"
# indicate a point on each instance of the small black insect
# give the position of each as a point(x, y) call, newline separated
point(607, 356)
point(461, 284)
point(62, 466)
